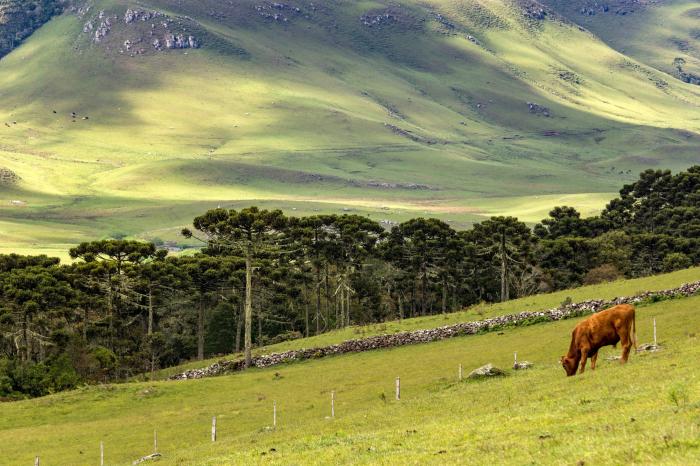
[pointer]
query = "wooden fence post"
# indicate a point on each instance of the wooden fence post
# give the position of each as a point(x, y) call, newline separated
point(398, 388)
point(213, 429)
point(333, 404)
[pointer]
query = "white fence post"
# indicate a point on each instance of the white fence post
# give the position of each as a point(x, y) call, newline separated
point(102, 453)
point(460, 372)
point(36, 461)
point(155, 441)
point(655, 344)
point(274, 414)
point(398, 388)
point(333, 404)
point(213, 429)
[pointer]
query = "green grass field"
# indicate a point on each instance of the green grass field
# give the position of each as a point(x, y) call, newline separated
point(642, 413)
point(324, 114)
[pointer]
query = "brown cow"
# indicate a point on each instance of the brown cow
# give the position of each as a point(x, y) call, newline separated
point(601, 329)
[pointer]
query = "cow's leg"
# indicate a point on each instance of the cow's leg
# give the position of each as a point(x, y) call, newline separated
point(626, 347)
point(626, 344)
point(584, 355)
point(594, 358)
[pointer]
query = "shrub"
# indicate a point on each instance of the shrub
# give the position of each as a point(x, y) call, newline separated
point(678, 395)
point(602, 274)
point(676, 261)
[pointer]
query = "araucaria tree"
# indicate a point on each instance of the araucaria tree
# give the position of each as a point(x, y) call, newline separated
point(251, 233)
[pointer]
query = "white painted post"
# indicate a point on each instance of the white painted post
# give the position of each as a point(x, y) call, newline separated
point(274, 414)
point(213, 429)
point(460, 372)
point(36, 461)
point(398, 388)
point(155, 441)
point(333, 404)
point(515, 359)
point(102, 453)
point(654, 331)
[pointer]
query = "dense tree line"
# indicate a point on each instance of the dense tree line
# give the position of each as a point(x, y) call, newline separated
point(125, 307)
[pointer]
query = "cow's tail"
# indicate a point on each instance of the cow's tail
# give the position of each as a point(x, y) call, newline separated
point(634, 330)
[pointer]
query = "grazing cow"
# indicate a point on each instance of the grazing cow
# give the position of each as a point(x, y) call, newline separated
point(601, 329)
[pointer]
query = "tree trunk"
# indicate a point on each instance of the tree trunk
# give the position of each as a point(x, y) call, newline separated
point(400, 306)
point(150, 311)
point(239, 328)
point(85, 324)
point(248, 306)
point(25, 339)
point(423, 300)
point(347, 309)
point(110, 315)
point(444, 295)
point(200, 331)
point(504, 270)
point(340, 322)
point(318, 300)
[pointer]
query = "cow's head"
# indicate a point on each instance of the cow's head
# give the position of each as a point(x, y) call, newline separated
point(569, 365)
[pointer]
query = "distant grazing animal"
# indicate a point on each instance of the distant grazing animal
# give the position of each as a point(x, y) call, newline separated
point(601, 329)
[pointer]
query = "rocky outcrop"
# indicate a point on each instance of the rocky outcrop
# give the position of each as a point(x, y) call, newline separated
point(276, 11)
point(8, 177)
point(141, 27)
point(537, 109)
point(378, 20)
point(140, 15)
point(689, 78)
point(440, 333)
point(180, 41)
point(486, 371)
point(408, 134)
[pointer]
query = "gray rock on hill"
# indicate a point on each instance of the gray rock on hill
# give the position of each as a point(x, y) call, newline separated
point(8, 177)
point(486, 371)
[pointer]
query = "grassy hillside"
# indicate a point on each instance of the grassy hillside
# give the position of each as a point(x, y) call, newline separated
point(386, 110)
point(530, 303)
point(652, 32)
point(642, 413)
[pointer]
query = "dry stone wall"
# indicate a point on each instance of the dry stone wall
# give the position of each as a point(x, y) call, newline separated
point(440, 333)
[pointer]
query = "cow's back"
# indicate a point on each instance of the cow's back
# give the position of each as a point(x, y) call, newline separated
point(604, 328)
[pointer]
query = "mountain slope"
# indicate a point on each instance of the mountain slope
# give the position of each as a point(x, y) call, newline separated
point(459, 109)
point(654, 32)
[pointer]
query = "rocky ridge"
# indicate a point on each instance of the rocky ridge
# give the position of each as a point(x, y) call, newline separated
point(145, 30)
